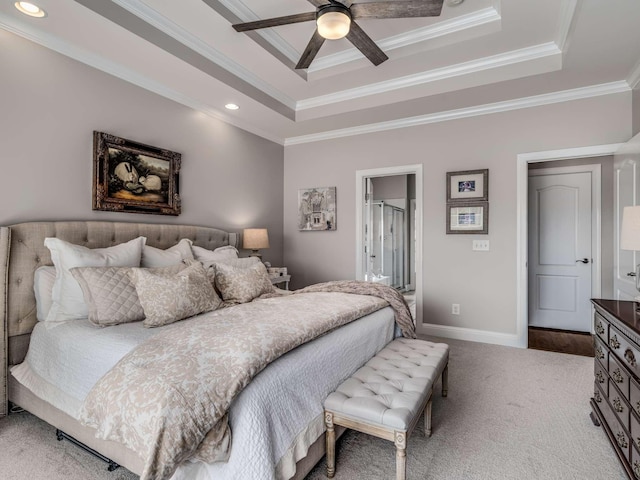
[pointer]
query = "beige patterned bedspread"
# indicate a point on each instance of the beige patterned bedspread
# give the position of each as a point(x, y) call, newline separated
point(168, 399)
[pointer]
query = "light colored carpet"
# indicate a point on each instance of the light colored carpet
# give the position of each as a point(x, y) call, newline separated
point(510, 414)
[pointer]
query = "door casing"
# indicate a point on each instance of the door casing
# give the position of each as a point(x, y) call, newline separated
point(361, 178)
point(520, 339)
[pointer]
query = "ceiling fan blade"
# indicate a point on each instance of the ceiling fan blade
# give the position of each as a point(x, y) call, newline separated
point(275, 22)
point(363, 42)
point(400, 9)
point(313, 47)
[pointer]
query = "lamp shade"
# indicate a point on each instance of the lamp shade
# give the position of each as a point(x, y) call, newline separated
point(255, 238)
point(630, 232)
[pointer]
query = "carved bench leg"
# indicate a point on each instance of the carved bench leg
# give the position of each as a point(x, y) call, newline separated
point(445, 381)
point(401, 455)
point(427, 419)
point(331, 445)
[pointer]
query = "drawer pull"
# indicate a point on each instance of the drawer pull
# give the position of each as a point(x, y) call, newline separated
point(617, 405)
point(599, 328)
point(622, 440)
point(597, 397)
point(617, 376)
point(600, 353)
point(636, 469)
point(638, 407)
point(630, 357)
point(614, 343)
point(600, 377)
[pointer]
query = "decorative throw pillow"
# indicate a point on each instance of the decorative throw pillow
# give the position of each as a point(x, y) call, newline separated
point(68, 301)
point(167, 299)
point(111, 295)
point(156, 257)
point(241, 285)
point(221, 253)
point(235, 262)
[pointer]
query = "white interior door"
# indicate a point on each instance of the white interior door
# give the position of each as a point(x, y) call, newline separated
point(560, 250)
point(626, 167)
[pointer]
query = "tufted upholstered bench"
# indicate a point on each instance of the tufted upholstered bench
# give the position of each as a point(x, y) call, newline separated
point(387, 395)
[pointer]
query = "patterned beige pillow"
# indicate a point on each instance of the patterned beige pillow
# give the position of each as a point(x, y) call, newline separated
point(241, 285)
point(240, 263)
point(166, 299)
point(111, 295)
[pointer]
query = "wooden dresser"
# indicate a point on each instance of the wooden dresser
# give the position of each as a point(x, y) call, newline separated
point(616, 397)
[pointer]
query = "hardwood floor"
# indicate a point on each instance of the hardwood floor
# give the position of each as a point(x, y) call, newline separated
point(563, 341)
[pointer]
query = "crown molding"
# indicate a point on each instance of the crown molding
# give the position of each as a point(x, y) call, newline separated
point(526, 102)
point(162, 23)
point(422, 78)
point(634, 77)
point(124, 73)
point(566, 23)
point(441, 29)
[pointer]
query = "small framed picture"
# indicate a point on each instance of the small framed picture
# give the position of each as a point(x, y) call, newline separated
point(470, 185)
point(472, 218)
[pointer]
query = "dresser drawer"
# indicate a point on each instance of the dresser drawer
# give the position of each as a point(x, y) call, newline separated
point(620, 435)
point(635, 430)
point(626, 352)
point(598, 396)
point(601, 352)
point(634, 396)
point(601, 377)
point(635, 462)
point(619, 376)
point(601, 326)
point(619, 404)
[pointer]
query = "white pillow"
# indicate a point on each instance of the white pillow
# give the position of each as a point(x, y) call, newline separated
point(156, 257)
point(43, 280)
point(221, 253)
point(68, 301)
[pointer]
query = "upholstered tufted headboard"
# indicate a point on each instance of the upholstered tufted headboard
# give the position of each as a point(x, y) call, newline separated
point(22, 251)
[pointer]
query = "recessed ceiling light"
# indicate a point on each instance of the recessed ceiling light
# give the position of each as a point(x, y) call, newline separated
point(30, 9)
point(453, 3)
point(231, 106)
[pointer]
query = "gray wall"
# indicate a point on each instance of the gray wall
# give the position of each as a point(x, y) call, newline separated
point(51, 104)
point(636, 110)
point(393, 186)
point(484, 283)
point(606, 212)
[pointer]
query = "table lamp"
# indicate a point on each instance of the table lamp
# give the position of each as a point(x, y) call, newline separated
point(630, 237)
point(255, 239)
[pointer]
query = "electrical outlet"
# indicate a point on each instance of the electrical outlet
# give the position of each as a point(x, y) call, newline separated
point(455, 309)
point(480, 245)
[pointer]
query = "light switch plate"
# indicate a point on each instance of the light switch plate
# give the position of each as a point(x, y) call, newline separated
point(481, 245)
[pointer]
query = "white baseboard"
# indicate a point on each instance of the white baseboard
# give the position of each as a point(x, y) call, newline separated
point(472, 335)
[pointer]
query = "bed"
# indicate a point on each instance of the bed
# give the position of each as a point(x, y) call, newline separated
point(277, 429)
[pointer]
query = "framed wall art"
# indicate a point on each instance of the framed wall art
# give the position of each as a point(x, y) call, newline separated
point(132, 177)
point(470, 185)
point(317, 209)
point(470, 218)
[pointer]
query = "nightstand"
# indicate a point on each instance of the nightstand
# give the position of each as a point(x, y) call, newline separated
point(278, 276)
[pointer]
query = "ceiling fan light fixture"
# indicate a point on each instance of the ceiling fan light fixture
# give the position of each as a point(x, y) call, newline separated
point(333, 22)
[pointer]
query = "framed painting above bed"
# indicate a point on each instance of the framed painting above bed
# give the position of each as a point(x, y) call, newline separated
point(133, 177)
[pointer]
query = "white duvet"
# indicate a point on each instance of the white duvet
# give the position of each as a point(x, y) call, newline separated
point(273, 421)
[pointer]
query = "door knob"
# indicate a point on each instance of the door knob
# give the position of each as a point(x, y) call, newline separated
point(584, 260)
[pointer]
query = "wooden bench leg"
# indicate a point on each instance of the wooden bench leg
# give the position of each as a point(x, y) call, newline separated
point(427, 419)
point(331, 445)
point(401, 455)
point(445, 381)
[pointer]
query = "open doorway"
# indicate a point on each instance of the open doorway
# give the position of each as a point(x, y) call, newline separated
point(601, 259)
point(389, 230)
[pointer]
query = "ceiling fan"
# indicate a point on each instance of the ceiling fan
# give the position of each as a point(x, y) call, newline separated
point(337, 20)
